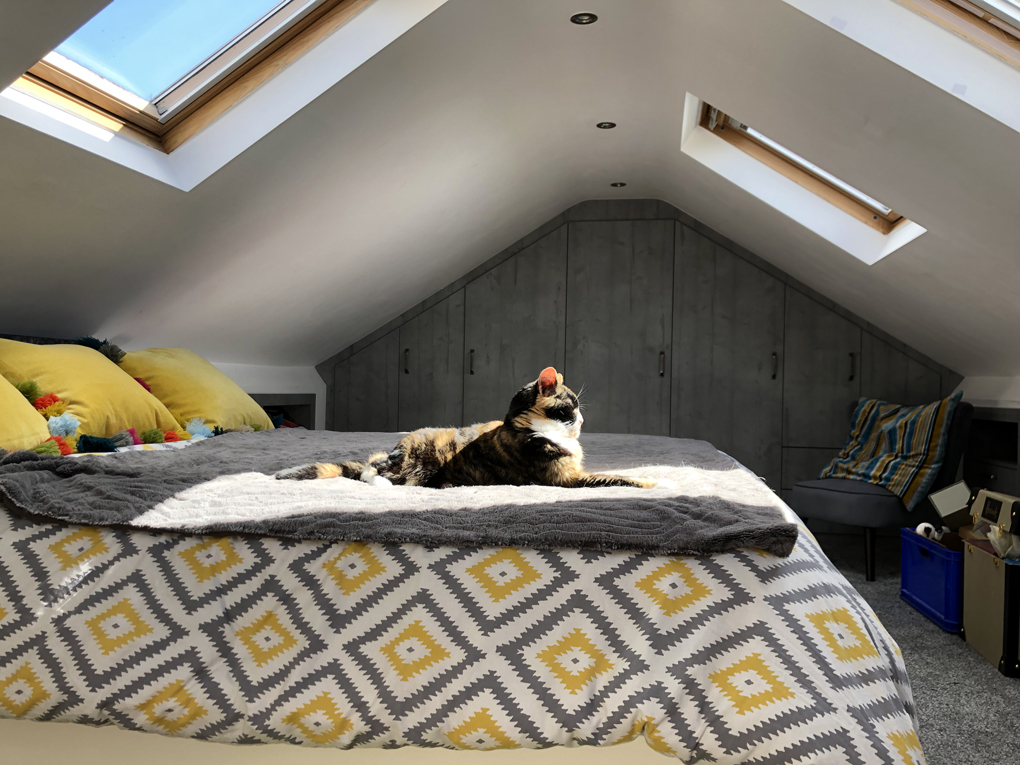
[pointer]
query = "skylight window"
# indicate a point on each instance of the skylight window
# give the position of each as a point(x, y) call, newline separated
point(991, 24)
point(807, 174)
point(145, 46)
point(167, 68)
point(1001, 13)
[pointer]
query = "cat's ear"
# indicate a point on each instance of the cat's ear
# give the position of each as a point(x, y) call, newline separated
point(548, 380)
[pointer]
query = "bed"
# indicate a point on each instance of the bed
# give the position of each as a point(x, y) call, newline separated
point(336, 642)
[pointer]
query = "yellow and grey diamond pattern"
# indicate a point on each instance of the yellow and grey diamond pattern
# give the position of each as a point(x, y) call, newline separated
point(735, 658)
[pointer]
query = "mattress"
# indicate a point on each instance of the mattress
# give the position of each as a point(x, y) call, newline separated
point(729, 658)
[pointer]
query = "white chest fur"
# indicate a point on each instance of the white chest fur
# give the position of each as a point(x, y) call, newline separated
point(558, 433)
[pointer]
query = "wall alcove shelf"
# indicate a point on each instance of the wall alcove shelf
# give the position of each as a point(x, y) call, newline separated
point(299, 408)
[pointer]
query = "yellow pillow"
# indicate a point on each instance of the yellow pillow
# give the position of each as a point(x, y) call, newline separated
point(190, 387)
point(96, 391)
point(21, 427)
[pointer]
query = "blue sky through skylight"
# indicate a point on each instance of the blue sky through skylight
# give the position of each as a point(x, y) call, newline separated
point(145, 46)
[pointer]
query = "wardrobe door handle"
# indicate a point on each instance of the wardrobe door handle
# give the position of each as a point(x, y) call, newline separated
point(853, 366)
point(471, 361)
point(407, 361)
point(775, 365)
point(662, 363)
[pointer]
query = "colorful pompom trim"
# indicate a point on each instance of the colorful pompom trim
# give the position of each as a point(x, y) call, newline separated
point(123, 438)
point(48, 447)
point(135, 439)
point(144, 384)
point(197, 428)
point(113, 352)
point(105, 347)
point(29, 389)
point(64, 425)
point(94, 444)
point(151, 436)
point(54, 410)
point(44, 401)
point(54, 445)
point(170, 436)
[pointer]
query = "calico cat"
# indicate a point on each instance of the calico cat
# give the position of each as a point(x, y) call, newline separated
point(536, 443)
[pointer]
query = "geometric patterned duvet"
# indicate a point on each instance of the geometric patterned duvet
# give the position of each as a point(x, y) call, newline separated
point(741, 657)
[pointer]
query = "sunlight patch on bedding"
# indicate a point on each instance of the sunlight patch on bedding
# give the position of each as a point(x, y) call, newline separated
point(247, 497)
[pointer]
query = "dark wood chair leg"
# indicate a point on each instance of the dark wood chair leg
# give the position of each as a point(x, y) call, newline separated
point(869, 554)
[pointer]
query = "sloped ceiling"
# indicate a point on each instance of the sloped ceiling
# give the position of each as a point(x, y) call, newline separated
point(477, 126)
point(30, 29)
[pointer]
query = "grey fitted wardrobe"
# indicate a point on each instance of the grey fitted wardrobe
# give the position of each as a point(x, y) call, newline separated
point(669, 329)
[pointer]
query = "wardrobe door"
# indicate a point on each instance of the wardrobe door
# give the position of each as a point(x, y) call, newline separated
point(822, 374)
point(728, 376)
point(619, 323)
point(432, 367)
point(373, 386)
point(330, 380)
point(892, 376)
point(341, 395)
point(514, 318)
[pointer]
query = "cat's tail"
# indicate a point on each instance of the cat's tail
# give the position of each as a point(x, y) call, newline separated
point(359, 471)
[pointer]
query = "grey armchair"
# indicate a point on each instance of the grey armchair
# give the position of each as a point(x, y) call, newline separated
point(858, 503)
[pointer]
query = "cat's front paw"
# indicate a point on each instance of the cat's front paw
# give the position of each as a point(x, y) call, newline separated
point(378, 480)
point(656, 483)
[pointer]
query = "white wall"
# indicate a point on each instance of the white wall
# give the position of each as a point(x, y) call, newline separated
point(264, 379)
point(992, 391)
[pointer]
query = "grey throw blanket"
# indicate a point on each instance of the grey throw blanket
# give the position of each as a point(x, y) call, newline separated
point(225, 486)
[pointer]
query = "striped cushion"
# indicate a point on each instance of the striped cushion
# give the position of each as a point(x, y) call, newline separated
point(898, 447)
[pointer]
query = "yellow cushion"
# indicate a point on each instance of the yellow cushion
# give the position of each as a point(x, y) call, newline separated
point(190, 387)
point(21, 427)
point(96, 391)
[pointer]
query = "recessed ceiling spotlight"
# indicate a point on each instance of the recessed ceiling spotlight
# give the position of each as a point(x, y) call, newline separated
point(605, 125)
point(618, 185)
point(584, 18)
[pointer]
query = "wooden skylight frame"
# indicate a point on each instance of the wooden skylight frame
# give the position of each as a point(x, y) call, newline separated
point(878, 217)
point(995, 33)
point(62, 89)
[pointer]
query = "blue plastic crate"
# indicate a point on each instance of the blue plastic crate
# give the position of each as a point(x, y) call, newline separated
point(931, 580)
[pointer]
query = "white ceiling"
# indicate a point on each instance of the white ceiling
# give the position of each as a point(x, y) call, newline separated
point(474, 128)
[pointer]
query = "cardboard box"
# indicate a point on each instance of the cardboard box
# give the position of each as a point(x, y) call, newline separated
point(953, 504)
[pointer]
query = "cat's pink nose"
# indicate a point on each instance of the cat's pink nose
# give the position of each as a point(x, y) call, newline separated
point(580, 419)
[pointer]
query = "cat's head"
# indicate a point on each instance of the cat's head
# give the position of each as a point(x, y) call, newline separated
point(546, 407)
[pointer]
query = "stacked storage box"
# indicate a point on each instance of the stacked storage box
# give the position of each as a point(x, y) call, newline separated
point(932, 578)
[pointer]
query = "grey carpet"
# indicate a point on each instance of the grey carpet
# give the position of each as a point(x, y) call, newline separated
point(966, 709)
